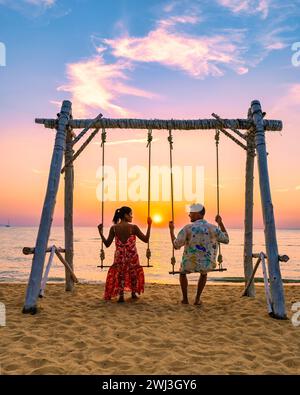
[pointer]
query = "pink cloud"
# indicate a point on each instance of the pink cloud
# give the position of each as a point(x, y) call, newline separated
point(46, 3)
point(38, 3)
point(293, 95)
point(170, 6)
point(247, 6)
point(199, 56)
point(276, 45)
point(96, 84)
point(287, 105)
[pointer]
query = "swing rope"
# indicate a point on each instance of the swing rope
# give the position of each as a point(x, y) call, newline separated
point(103, 141)
point(217, 139)
point(170, 139)
point(149, 141)
point(220, 257)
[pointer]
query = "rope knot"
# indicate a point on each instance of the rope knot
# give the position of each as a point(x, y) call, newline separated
point(217, 136)
point(148, 253)
point(103, 137)
point(170, 139)
point(173, 261)
point(149, 138)
point(102, 255)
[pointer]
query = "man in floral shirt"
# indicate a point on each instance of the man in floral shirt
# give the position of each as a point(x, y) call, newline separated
point(200, 240)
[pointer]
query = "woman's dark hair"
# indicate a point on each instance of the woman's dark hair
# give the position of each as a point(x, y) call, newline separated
point(120, 213)
point(202, 212)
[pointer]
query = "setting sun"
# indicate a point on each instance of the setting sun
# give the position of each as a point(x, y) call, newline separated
point(157, 218)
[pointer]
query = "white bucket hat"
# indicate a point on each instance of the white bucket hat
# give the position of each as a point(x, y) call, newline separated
point(194, 208)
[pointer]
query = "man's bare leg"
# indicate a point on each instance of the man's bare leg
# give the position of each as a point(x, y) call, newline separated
point(184, 287)
point(201, 285)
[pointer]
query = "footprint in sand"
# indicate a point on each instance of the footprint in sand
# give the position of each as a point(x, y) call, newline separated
point(30, 339)
point(48, 369)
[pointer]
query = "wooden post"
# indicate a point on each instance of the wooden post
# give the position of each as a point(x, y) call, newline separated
point(68, 218)
point(266, 284)
point(65, 263)
point(248, 231)
point(46, 274)
point(245, 292)
point(276, 286)
point(37, 267)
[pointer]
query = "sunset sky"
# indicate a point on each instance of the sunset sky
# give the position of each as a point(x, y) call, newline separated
point(148, 59)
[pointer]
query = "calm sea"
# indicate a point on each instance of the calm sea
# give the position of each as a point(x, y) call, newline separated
point(14, 266)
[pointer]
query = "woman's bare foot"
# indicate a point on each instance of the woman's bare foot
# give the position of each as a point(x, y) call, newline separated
point(134, 296)
point(185, 301)
point(121, 299)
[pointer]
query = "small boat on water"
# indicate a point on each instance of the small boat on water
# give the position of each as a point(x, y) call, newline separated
point(8, 224)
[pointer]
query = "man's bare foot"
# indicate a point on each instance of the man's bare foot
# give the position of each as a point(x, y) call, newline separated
point(134, 296)
point(121, 299)
point(185, 301)
point(198, 303)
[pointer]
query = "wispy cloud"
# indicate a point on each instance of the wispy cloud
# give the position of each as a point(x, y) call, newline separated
point(19, 5)
point(96, 84)
point(56, 103)
point(288, 103)
point(247, 6)
point(45, 3)
point(293, 95)
point(273, 39)
point(181, 41)
point(169, 7)
point(37, 171)
point(199, 56)
point(46, 9)
point(282, 190)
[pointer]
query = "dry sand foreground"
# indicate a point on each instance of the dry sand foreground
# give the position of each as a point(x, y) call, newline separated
point(82, 334)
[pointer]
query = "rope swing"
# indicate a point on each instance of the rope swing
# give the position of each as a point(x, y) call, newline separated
point(103, 141)
point(149, 141)
point(170, 139)
point(220, 257)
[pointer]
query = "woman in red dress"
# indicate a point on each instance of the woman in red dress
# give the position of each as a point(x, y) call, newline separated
point(126, 273)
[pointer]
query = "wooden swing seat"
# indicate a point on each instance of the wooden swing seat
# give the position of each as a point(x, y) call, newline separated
point(213, 270)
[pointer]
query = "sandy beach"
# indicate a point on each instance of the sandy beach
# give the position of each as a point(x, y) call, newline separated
point(80, 333)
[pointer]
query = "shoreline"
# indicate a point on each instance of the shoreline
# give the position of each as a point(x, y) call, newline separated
point(213, 281)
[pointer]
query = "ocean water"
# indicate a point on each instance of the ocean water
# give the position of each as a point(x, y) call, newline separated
point(14, 266)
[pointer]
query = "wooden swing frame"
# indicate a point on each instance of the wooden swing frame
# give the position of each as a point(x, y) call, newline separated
point(253, 141)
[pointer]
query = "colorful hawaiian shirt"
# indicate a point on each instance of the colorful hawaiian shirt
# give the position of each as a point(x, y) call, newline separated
point(200, 240)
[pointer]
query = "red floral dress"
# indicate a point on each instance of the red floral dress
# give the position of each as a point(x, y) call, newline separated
point(126, 273)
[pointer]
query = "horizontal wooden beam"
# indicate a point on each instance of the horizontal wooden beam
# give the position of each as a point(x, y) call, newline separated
point(31, 250)
point(281, 258)
point(172, 124)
